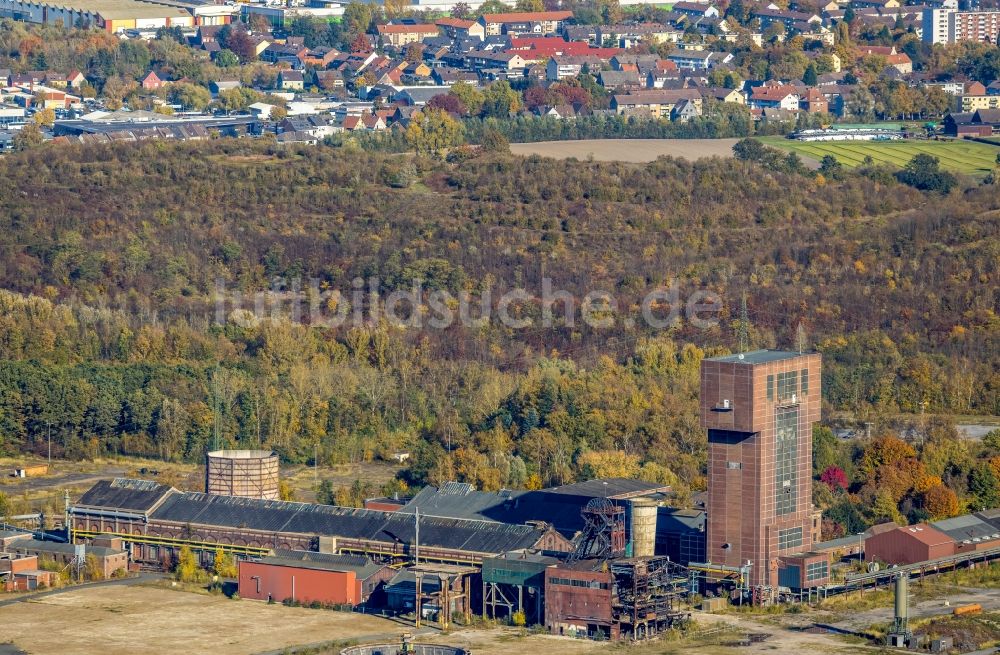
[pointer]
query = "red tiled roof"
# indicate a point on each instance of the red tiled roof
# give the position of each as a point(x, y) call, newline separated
point(772, 92)
point(455, 22)
point(526, 16)
point(422, 28)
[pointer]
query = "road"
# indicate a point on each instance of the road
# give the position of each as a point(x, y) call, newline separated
point(138, 579)
point(59, 481)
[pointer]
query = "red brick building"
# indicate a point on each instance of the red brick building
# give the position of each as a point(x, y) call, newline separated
point(909, 545)
point(307, 577)
point(578, 599)
point(21, 573)
point(759, 408)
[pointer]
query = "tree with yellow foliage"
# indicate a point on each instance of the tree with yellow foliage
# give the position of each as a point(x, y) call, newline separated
point(46, 117)
point(225, 564)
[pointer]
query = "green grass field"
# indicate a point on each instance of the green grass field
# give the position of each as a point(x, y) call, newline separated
point(966, 157)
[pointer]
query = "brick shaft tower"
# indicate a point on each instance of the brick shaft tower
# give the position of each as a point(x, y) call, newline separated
point(759, 408)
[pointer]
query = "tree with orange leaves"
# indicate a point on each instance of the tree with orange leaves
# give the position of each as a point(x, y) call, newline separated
point(940, 502)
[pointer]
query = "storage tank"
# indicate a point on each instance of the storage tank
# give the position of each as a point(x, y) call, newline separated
point(643, 527)
point(247, 473)
point(902, 602)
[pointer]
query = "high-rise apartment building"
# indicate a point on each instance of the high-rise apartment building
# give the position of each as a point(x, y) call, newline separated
point(951, 26)
point(759, 408)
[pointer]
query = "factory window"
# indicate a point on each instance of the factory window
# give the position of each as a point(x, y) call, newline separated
point(805, 381)
point(770, 387)
point(787, 385)
point(586, 584)
point(734, 465)
point(790, 538)
point(817, 571)
point(786, 442)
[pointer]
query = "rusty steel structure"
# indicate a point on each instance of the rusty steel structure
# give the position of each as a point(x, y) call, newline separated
point(646, 595)
point(603, 535)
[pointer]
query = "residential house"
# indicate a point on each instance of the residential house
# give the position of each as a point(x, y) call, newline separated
point(898, 60)
point(293, 54)
point(721, 94)
point(881, 5)
point(418, 96)
point(417, 69)
point(458, 28)
point(316, 125)
point(695, 9)
point(320, 57)
point(620, 80)
point(814, 102)
point(446, 76)
point(525, 22)
point(583, 33)
point(774, 97)
point(207, 34)
point(370, 122)
point(685, 110)
point(654, 33)
point(402, 35)
point(504, 61)
point(659, 104)
point(56, 80)
point(151, 81)
point(561, 67)
point(558, 112)
point(291, 80)
point(787, 18)
point(975, 97)
point(29, 79)
point(699, 60)
point(330, 80)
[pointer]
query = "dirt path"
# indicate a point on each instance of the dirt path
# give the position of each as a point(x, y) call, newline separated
point(628, 150)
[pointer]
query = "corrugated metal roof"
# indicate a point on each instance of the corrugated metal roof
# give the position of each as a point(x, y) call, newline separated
point(361, 566)
point(124, 494)
point(967, 528)
point(559, 506)
point(479, 536)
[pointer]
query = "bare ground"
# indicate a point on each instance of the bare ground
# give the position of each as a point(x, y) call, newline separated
point(628, 150)
point(137, 620)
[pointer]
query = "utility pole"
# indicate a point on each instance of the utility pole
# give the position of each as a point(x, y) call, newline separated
point(315, 462)
point(416, 537)
point(49, 428)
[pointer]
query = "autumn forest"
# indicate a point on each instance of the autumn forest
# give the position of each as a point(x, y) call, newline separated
point(111, 257)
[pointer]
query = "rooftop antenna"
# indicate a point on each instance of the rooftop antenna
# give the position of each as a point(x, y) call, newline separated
point(742, 333)
point(800, 337)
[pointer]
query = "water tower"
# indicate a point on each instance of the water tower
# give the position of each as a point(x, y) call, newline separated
point(246, 473)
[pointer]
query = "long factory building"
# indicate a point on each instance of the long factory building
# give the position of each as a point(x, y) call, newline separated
point(117, 16)
point(154, 520)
